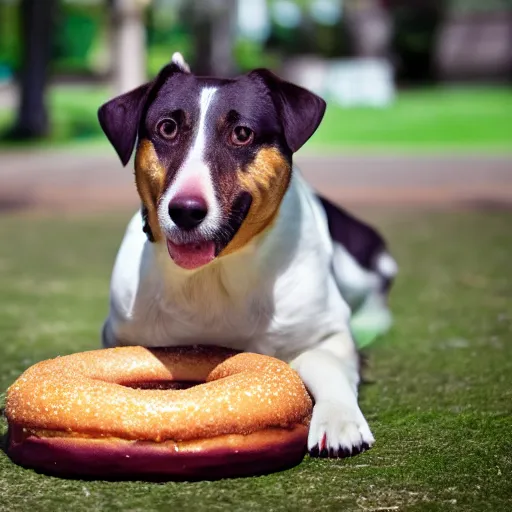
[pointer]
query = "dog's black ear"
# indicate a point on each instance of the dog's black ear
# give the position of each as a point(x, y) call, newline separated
point(120, 118)
point(301, 110)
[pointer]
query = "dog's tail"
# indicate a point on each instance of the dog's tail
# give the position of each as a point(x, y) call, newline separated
point(387, 268)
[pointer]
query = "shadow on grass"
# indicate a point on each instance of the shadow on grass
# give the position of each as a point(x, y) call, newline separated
point(146, 478)
point(11, 202)
point(488, 205)
point(3, 418)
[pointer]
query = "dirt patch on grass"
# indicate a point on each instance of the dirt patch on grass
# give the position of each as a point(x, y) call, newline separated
point(81, 200)
point(94, 180)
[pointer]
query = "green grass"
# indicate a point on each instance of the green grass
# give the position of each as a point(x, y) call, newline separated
point(475, 119)
point(73, 115)
point(439, 399)
point(436, 118)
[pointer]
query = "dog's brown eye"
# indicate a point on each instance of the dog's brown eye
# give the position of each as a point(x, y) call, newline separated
point(241, 136)
point(168, 128)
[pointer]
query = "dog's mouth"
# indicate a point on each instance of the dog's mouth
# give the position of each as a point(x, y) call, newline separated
point(191, 255)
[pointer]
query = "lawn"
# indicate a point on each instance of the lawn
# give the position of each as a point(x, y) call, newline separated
point(443, 118)
point(476, 119)
point(73, 115)
point(439, 397)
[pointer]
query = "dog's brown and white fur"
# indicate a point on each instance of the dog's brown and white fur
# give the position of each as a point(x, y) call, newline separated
point(233, 248)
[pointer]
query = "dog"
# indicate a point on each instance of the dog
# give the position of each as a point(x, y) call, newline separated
point(232, 247)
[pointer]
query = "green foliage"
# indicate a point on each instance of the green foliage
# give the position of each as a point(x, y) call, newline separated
point(250, 55)
point(438, 398)
point(10, 45)
point(75, 112)
point(78, 28)
point(166, 33)
point(310, 36)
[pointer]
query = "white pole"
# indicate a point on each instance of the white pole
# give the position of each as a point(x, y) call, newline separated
point(129, 44)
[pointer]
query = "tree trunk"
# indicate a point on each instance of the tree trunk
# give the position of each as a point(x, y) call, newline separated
point(36, 27)
point(222, 39)
point(129, 44)
point(415, 26)
point(213, 28)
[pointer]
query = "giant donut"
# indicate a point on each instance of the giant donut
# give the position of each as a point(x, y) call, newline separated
point(110, 413)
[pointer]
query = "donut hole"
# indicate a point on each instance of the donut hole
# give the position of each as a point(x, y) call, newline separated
point(161, 384)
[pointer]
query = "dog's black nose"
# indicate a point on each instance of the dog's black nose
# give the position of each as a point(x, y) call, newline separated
point(187, 212)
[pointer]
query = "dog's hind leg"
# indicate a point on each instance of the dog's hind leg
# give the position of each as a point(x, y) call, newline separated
point(372, 319)
point(366, 292)
point(363, 270)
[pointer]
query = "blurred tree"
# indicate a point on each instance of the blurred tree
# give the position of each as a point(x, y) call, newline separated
point(36, 29)
point(298, 28)
point(415, 26)
point(10, 44)
point(128, 43)
point(77, 26)
point(212, 23)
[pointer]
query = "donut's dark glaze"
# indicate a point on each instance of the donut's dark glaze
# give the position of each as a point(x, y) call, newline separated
point(111, 458)
point(251, 415)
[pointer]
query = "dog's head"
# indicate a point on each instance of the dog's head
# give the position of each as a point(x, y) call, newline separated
point(214, 156)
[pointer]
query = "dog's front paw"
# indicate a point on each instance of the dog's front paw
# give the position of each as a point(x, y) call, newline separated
point(338, 431)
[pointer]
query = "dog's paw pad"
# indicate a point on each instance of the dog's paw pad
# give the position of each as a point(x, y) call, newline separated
point(338, 431)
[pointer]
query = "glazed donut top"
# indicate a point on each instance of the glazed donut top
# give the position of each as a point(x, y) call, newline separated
point(95, 394)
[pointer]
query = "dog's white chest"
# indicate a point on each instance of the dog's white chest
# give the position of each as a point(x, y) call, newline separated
point(253, 322)
point(277, 300)
point(204, 314)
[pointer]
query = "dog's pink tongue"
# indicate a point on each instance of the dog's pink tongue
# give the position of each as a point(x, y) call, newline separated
point(191, 256)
